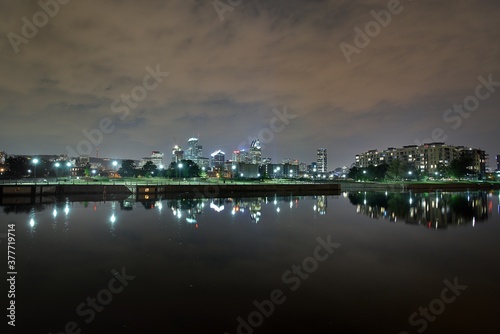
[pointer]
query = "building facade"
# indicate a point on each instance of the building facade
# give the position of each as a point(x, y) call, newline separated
point(217, 159)
point(256, 152)
point(322, 160)
point(177, 154)
point(427, 158)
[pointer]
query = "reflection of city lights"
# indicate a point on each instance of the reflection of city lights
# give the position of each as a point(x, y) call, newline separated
point(278, 210)
point(54, 213)
point(32, 222)
point(66, 209)
point(216, 207)
point(113, 218)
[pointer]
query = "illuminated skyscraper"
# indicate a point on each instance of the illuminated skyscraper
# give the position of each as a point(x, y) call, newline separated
point(177, 154)
point(322, 161)
point(217, 159)
point(194, 150)
point(256, 152)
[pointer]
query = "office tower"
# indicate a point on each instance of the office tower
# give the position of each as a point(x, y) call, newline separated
point(177, 154)
point(194, 150)
point(217, 159)
point(321, 160)
point(256, 152)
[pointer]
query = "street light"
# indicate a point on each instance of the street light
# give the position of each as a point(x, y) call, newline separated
point(179, 171)
point(57, 165)
point(35, 162)
point(68, 164)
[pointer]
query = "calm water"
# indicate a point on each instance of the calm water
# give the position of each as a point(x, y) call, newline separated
point(355, 263)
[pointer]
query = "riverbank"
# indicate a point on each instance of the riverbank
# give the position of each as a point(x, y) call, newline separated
point(172, 190)
point(418, 186)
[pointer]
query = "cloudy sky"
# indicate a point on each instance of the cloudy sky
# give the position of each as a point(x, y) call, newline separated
point(231, 70)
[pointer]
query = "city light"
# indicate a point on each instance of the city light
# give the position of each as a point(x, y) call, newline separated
point(35, 162)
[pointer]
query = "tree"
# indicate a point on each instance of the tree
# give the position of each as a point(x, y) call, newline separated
point(127, 169)
point(149, 168)
point(189, 169)
point(459, 168)
point(17, 167)
point(354, 173)
point(397, 170)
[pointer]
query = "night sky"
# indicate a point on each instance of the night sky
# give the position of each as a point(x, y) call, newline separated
point(228, 78)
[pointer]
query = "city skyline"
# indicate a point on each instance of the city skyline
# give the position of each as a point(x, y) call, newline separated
point(349, 77)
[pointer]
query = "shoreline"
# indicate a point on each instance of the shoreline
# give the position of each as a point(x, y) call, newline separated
point(198, 190)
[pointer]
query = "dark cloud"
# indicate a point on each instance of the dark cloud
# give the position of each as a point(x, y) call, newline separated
point(226, 77)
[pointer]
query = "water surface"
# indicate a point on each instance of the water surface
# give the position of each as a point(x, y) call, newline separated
point(207, 266)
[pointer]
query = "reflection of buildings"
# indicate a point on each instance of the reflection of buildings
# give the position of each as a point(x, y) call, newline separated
point(434, 210)
point(321, 204)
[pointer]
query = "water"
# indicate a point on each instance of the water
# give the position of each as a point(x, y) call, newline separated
point(355, 263)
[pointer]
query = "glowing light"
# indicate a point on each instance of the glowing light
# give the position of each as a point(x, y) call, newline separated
point(113, 218)
point(32, 222)
point(54, 213)
point(216, 207)
point(66, 209)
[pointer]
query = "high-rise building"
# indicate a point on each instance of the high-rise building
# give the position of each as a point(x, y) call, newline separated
point(498, 163)
point(321, 160)
point(256, 152)
point(157, 158)
point(242, 156)
point(194, 150)
point(217, 159)
point(177, 154)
